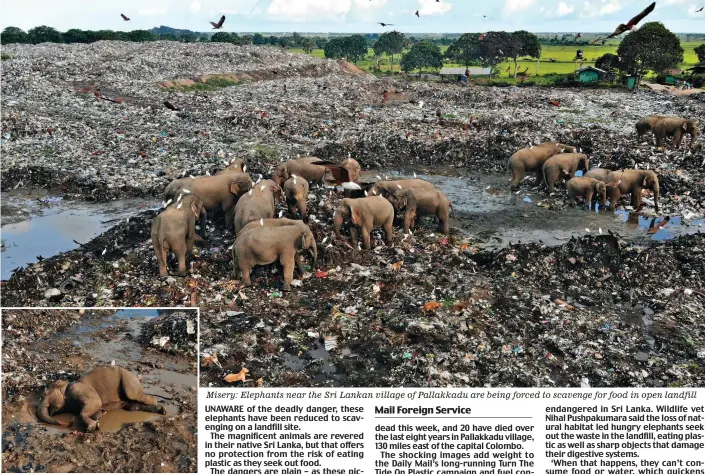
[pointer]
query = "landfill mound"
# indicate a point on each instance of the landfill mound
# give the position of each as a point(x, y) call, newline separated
point(430, 310)
point(173, 332)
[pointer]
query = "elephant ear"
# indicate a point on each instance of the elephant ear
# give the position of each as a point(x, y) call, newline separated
point(235, 188)
point(355, 216)
point(196, 207)
point(306, 239)
point(645, 183)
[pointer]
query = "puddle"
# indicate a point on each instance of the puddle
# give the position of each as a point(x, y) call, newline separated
point(35, 225)
point(173, 375)
point(317, 353)
point(489, 212)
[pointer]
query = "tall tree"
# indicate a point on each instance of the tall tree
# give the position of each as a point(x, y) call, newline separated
point(44, 34)
point(308, 45)
point(496, 48)
point(258, 38)
point(523, 43)
point(608, 61)
point(335, 48)
point(75, 35)
point(651, 47)
point(355, 47)
point(465, 49)
point(12, 34)
point(141, 36)
point(390, 43)
point(700, 51)
point(222, 37)
point(422, 55)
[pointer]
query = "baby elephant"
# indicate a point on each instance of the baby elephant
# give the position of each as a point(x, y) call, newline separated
point(563, 165)
point(599, 174)
point(531, 160)
point(264, 245)
point(587, 187)
point(646, 124)
point(364, 215)
point(103, 388)
point(632, 182)
point(421, 202)
point(296, 194)
point(175, 230)
point(392, 186)
point(258, 203)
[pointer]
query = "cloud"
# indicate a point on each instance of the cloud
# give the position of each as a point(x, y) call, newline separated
point(515, 6)
point(564, 9)
point(676, 2)
point(367, 5)
point(242, 7)
point(151, 11)
point(609, 9)
point(195, 6)
point(432, 7)
point(308, 10)
point(603, 8)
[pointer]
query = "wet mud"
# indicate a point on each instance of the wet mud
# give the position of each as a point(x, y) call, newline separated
point(33, 357)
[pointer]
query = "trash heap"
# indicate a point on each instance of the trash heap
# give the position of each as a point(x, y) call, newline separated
point(174, 332)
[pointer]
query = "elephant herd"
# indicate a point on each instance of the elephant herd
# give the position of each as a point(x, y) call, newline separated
point(553, 162)
point(260, 237)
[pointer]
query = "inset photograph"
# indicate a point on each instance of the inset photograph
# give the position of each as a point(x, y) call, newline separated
point(99, 390)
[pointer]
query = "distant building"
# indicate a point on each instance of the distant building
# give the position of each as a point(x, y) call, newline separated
point(589, 75)
point(670, 76)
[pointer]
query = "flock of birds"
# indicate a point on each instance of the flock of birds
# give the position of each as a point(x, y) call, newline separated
point(621, 28)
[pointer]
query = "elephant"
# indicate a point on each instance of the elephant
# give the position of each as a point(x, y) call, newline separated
point(394, 185)
point(303, 167)
point(634, 182)
point(597, 173)
point(237, 165)
point(175, 230)
point(421, 202)
point(280, 222)
point(103, 388)
point(588, 187)
point(258, 203)
point(296, 194)
point(219, 192)
point(646, 124)
point(676, 128)
point(531, 159)
point(268, 244)
point(353, 168)
point(563, 165)
point(364, 215)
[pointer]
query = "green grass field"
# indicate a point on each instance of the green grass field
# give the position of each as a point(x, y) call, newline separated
point(563, 55)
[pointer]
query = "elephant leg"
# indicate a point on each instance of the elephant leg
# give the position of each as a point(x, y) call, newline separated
point(571, 198)
point(162, 255)
point(98, 415)
point(287, 261)
point(202, 225)
point(388, 231)
point(90, 407)
point(408, 218)
point(443, 221)
point(365, 238)
point(539, 177)
point(677, 138)
point(354, 233)
point(292, 210)
point(588, 200)
point(517, 176)
point(299, 263)
point(245, 271)
point(180, 252)
point(137, 406)
point(229, 218)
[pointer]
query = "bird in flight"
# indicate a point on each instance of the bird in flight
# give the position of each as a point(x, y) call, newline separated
point(701, 9)
point(417, 14)
point(631, 24)
point(579, 35)
point(124, 17)
point(219, 25)
point(385, 24)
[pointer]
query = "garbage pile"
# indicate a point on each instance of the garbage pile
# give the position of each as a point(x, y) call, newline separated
point(430, 310)
point(174, 332)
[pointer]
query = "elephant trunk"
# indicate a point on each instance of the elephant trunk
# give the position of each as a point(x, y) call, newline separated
point(656, 191)
point(314, 252)
point(301, 204)
point(337, 222)
point(43, 412)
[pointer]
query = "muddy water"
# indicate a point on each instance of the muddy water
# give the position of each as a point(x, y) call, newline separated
point(490, 213)
point(171, 376)
point(36, 225)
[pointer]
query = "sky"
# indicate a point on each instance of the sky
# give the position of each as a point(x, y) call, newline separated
point(352, 16)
